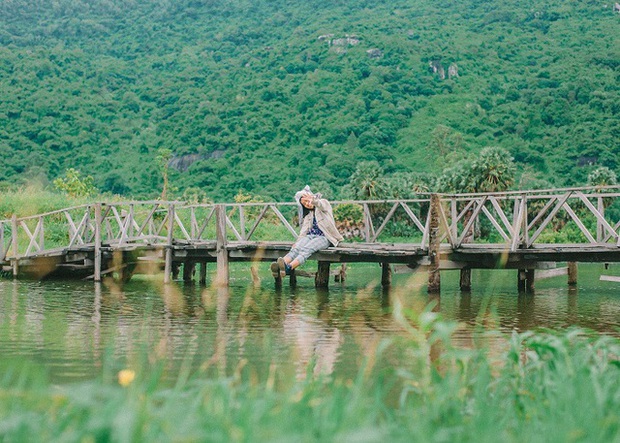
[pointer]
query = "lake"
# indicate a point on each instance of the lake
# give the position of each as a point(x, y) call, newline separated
point(76, 330)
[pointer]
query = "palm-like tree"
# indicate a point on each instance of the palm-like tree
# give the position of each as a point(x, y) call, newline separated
point(602, 176)
point(493, 170)
point(368, 182)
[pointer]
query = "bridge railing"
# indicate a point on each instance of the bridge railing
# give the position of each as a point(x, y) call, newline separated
point(370, 221)
point(142, 222)
point(117, 224)
point(31, 235)
point(512, 220)
point(577, 216)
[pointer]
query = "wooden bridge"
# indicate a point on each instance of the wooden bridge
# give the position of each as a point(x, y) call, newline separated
point(521, 230)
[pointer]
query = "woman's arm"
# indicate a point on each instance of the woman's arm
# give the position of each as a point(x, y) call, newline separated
point(321, 204)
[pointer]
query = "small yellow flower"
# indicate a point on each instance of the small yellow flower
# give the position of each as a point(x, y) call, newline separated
point(125, 377)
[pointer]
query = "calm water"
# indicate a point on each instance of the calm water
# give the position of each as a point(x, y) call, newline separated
point(76, 330)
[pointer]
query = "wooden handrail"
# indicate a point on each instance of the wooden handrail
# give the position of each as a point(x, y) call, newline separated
point(532, 192)
point(516, 218)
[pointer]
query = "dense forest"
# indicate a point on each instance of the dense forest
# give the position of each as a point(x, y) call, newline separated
point(260, 97)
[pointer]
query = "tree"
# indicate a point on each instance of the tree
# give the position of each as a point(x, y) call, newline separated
point(115, 184)
point(368, 182)
point(494, 170)
point(602, 176)
point(195, 195)
point(445, 144)
point(407, 184)
point(74, 185)
point(491, 171)
point(457, 178)
point(164, 155)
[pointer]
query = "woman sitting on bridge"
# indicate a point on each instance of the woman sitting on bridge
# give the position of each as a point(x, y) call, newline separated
point(318, 231)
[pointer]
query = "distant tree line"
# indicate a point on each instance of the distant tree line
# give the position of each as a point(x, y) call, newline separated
point(265, 97)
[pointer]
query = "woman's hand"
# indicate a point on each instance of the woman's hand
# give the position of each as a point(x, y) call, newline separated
point(306, 201)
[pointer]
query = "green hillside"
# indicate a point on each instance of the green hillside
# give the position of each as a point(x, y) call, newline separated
point(266, 96)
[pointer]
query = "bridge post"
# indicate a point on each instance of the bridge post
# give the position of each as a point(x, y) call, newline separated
point(529, 279)
point(203, 273)
point(2, 249)
point(434, 278)
point(321, 280)
point(15, 248)
point(599, 226)
point(222, 276)
point(572, 273)
point(176, 269)
point(525, 280)
point(341, 276)
point(386, 274)
point(168, 250)
point(188, 271)
point(367, 222)
point(465, 280)
point(97, 264)
point(521, 280)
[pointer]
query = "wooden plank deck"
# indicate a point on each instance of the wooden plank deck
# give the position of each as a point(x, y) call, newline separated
point(413, 255)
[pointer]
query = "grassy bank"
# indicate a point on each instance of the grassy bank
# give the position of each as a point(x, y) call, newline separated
point(28, 201)
point(545, 387)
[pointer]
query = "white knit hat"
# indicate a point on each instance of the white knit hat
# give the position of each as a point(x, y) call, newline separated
point(306, 190)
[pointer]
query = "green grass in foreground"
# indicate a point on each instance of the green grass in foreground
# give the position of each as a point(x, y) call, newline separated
point(551, 387)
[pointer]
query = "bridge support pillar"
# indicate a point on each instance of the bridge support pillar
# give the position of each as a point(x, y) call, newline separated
point(465, 280)
point(188, 271)
point(167, 264)
point(525, 280)
point(529, 280)
point(97, 258)
point(168, 251)
point(176, 269)
point(321, 280)
point(15, 265)
point(278, 281)
point(293, 279)
point(386, 274)
point(521, 280)
point(203, 273)
point(341, 276)
point(222, 277)
point(15, 261)
point(434, 278)
point(572, 273)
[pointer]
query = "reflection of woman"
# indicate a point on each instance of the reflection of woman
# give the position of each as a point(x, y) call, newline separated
point(318, 231)
point(315, 343)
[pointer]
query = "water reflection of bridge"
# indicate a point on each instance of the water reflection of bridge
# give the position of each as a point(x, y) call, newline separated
point(521, 230)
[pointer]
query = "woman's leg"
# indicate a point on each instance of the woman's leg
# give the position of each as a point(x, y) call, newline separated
point(279, 267)
point(295, 250)
point(306, 249)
